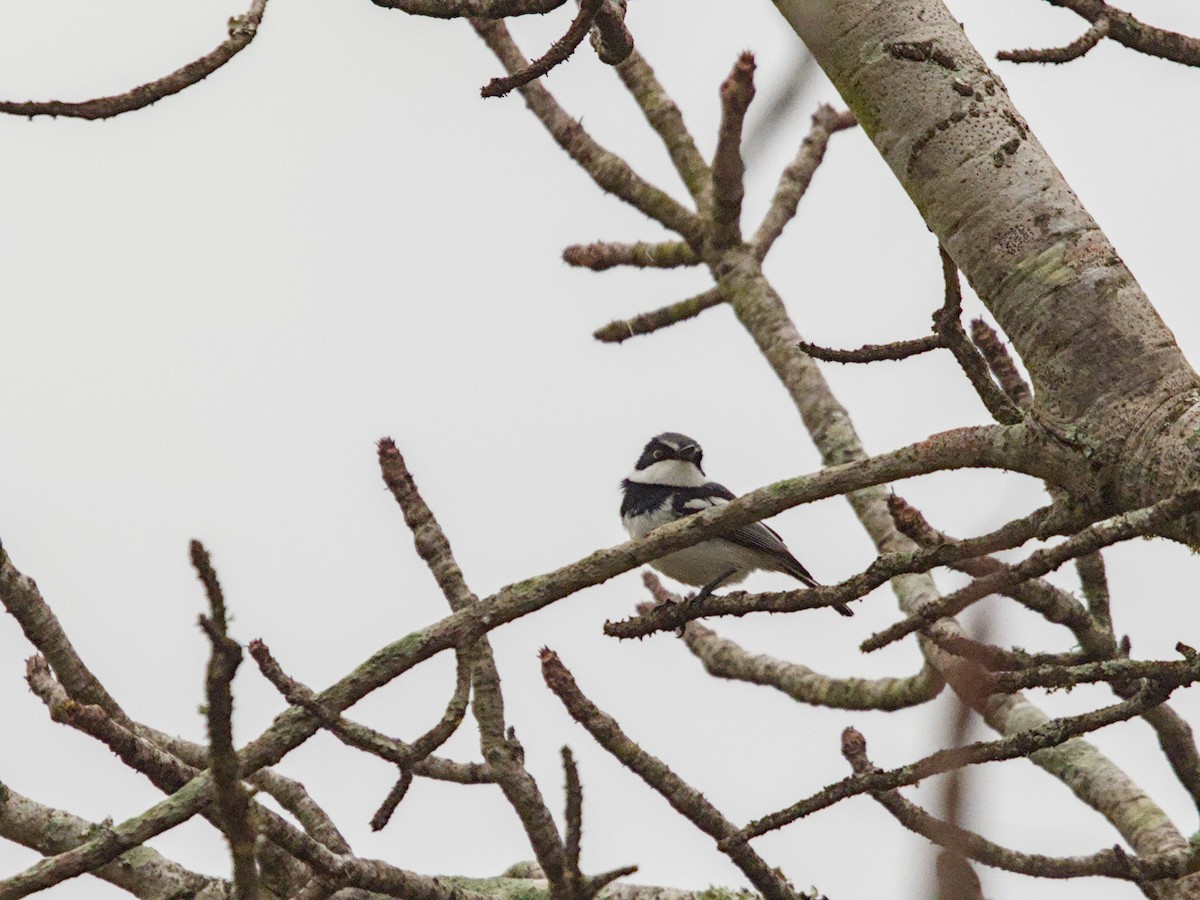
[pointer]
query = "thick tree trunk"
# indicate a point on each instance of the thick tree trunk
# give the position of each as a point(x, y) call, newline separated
point(1110, 381)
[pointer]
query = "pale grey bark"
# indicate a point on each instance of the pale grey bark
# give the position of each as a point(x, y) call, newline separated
point(1110, 381)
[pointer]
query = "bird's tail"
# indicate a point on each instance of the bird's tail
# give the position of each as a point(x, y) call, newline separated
point(797, 571)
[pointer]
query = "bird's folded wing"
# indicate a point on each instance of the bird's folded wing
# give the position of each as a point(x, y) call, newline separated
point(755, 536)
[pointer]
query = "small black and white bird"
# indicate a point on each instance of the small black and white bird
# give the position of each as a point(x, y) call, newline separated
point(668, 483)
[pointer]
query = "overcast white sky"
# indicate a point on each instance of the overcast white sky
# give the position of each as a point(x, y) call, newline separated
point(212, 309)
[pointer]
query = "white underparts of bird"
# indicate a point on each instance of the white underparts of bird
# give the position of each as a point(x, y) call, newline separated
point(668, 483)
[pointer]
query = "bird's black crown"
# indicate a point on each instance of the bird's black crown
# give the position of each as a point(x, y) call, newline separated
point(670, 445)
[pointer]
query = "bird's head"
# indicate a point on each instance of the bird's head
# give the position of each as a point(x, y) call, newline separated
point(670, 458)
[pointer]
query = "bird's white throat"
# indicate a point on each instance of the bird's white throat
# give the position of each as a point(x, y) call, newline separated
point(673, 472)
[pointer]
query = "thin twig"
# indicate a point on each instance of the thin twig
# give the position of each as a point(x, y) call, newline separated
point(1036, 594)
point(868, 353)
point(383, 815)
point(1113, 863)
point(1136, 35)
point(294, 797)
point(728, 169)
point(795, 179)
point(607, 254)
point(610, 172)
point(1023, 743)
point(233, 801)
point(1074, 50)
point(423, 746)
point(428, 538)
point(996, 356)
point(497, 745)
point(1094, 581)
point(242, 30)
point(407, 756)
point(24, 602)
point(646, 323)
point(597, 883)
point(559, 52)
point(140, 872)
point(573, 816)
point(685, 799)
point(1178, 745)
point(1110, 531)
point(667, 121)
point(165, 770)
point(1166, 673)
point(946, 322)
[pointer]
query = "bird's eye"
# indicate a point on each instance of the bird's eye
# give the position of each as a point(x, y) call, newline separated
point(658, 454)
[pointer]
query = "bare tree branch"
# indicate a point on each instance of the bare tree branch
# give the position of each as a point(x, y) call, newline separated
point(558, 53)
point(1094, 582)
point(242, 30)
point(573, 817)
point(714, 233)
point(1052, 733)
point(647, 323)
point(728, 170)
point(795, 179)
point(723, 658)
point(1137, 35)
point(1102, 534)
point(165, 770)
point(869, 353)
point(1074, 50)
point(608, 170)
point(498, 745)
point(142, 871)
point(24, 602)
point(1005, 371)
point(1165, 672)
point(384, 814)
point(1092, 629)
point(1114, 863)
point(292, 728)
point(407, 756)
point(667, 121)
point(1036, 594)
point(947, 323)
point(605, 255)
point(232, 800)
point(683, 798)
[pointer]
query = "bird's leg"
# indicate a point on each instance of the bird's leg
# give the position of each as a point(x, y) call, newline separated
point(711, 586)
point(705, 592)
